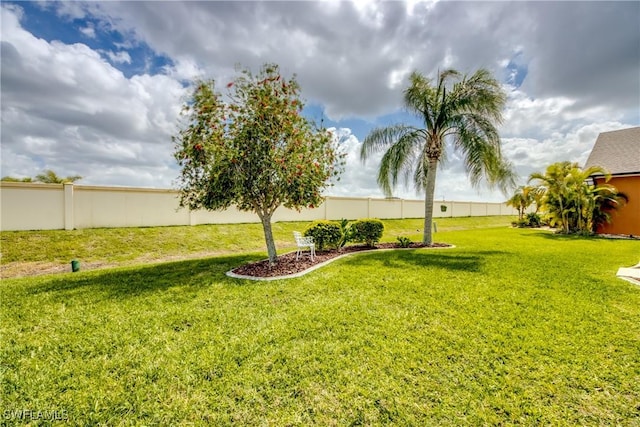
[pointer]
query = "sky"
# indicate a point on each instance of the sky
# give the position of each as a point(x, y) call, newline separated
point(95, 88)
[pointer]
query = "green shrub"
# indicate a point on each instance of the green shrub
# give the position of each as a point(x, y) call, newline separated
point(521, 223)
point(404, 242)
point(324, 233)
point(368, 231)
point(533, 219)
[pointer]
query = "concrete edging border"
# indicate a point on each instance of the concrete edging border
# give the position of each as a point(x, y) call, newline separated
point(231, 274)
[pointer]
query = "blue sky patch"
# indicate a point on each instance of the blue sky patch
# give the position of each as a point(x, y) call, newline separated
point(516, 71)
point(135, 58)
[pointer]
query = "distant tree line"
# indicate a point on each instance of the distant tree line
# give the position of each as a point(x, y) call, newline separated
point(47, 177)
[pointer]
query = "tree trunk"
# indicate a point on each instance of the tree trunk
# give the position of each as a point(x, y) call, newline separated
point(565, 225)
point(430, 189)
point(268, 236)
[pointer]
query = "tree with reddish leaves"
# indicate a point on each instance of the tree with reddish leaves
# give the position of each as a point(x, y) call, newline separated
point(253, 149)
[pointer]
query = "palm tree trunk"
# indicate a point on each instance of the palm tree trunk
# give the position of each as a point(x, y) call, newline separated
point(430, 189)
point(563, 217)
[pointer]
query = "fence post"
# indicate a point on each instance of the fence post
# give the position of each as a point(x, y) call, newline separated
point(326, 202)
point(68, 206)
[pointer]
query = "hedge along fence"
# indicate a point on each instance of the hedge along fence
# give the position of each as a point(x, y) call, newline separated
point(34, 206)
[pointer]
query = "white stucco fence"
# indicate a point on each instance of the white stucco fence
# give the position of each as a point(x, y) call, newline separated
point(31, 206)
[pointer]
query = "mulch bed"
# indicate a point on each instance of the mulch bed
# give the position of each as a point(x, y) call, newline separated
point(287, 263)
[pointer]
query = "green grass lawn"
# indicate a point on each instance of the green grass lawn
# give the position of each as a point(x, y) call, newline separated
point(512, 326)
point(25, 251)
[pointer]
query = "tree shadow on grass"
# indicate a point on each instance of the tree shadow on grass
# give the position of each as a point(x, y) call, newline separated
point(134, 281)
point(561, 237)
point(425, 258)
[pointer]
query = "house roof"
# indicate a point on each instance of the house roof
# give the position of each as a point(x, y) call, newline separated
point(617, 151)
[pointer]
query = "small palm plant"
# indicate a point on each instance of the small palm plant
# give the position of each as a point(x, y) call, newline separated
point(345, 230)
point(521, 200)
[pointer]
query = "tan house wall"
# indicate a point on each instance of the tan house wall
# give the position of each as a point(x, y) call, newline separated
point(28, 206)
point(626, 220)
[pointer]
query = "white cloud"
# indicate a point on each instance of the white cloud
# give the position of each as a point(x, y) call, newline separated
point(527, 116)
point(358, 178)
point(66, 107)
point(184, 69)
point(121, 57)
point(534, 155)
point(89, 31)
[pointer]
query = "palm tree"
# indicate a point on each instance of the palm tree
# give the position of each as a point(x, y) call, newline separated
point(459, 110)
point(606, 199)
point(572, 201)
point(537, 196)
point(553, 183)
point(594, 202)
point(50, 177)
point(522, 199)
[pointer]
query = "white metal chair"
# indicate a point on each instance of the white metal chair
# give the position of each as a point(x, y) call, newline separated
point(304, 242)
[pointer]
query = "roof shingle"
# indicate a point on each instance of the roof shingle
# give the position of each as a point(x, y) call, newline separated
point(617, 151)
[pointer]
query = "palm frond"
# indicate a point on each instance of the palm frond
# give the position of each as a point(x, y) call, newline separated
point(420, 172)
point(399, 160)
point(478, 140)
point(597, 170)
point(420, 98)
point(480, 94)
point(381, 138)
